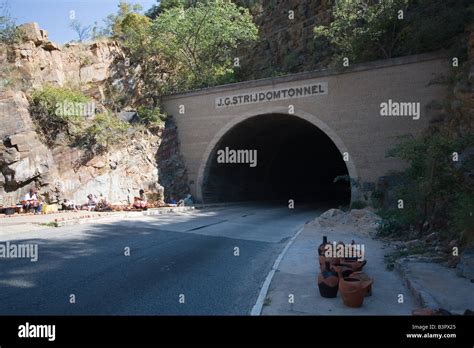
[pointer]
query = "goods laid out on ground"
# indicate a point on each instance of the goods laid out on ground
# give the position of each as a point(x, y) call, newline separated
point(341, 271)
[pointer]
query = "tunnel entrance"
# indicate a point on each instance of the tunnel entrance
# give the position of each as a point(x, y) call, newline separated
point(294, 160)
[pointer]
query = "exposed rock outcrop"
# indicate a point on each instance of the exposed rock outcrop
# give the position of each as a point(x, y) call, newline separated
point(23, 158)
point(63, 171)
point(173, 174)
point(32, 32)
point(40, 61)
point(286, 38)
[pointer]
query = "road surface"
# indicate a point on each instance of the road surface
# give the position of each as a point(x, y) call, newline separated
point(204, 262)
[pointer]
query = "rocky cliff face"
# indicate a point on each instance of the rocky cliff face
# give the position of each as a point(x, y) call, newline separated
point(63, 171)
point(286, 38)
point(38, 61)
point(173, 175)
point(23, 158)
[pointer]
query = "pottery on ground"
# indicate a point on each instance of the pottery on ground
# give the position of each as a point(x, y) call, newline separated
point(342, 271)
point(328, 282)
point(364, 277)
point(322, 246)
point(353, 291)
point(355, 265)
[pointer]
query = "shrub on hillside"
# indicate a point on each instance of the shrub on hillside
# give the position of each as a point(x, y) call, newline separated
point(50, 110)
point(61, 118)
point(105, 130)
point(364, 30)
point(152, 117)
point(433, 193)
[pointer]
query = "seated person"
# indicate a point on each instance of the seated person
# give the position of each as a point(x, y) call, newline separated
point(140, 202)
point(91, 202)
point(31, 201)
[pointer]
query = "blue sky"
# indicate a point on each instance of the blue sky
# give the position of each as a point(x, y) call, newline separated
point(53, 15)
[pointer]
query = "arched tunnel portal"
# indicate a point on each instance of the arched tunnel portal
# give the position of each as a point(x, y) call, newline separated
point(274, 157)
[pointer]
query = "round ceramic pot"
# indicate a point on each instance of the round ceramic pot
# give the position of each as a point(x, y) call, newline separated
point(353, 291)
point(365, 278)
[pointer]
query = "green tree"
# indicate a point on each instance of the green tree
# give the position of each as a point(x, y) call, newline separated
point(113, 22)
point(433, 187)
point(364, 30)
point(198, 42)
point(8, 31)
point(147, 68)
point(163, 5)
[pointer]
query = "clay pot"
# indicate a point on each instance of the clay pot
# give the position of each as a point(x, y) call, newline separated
point(322, 263)
point(333, 262)
point(342, 270)
point(364, 277)
point(355, 265)
point(322, 246)
point(353, 291)
point(328, 282)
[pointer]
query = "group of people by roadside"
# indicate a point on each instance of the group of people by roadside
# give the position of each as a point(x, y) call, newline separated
point(101, 204)
point(32, 202)
point(92, 203)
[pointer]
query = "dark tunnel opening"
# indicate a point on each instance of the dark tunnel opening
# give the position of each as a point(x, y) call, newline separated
point(294, 160)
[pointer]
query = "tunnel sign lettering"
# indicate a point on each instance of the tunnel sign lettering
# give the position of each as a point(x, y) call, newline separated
point(272, 95)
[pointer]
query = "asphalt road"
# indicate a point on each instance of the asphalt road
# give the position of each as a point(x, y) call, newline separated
point(191, 254)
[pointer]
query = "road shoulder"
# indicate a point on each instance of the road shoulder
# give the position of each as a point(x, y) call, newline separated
point(294, 289)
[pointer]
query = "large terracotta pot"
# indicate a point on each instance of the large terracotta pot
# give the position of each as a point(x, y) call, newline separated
point(353, 291)
point(328, 282)
point(364, 277)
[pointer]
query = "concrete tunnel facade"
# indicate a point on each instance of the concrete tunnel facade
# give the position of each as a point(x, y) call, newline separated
point(307, 129)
